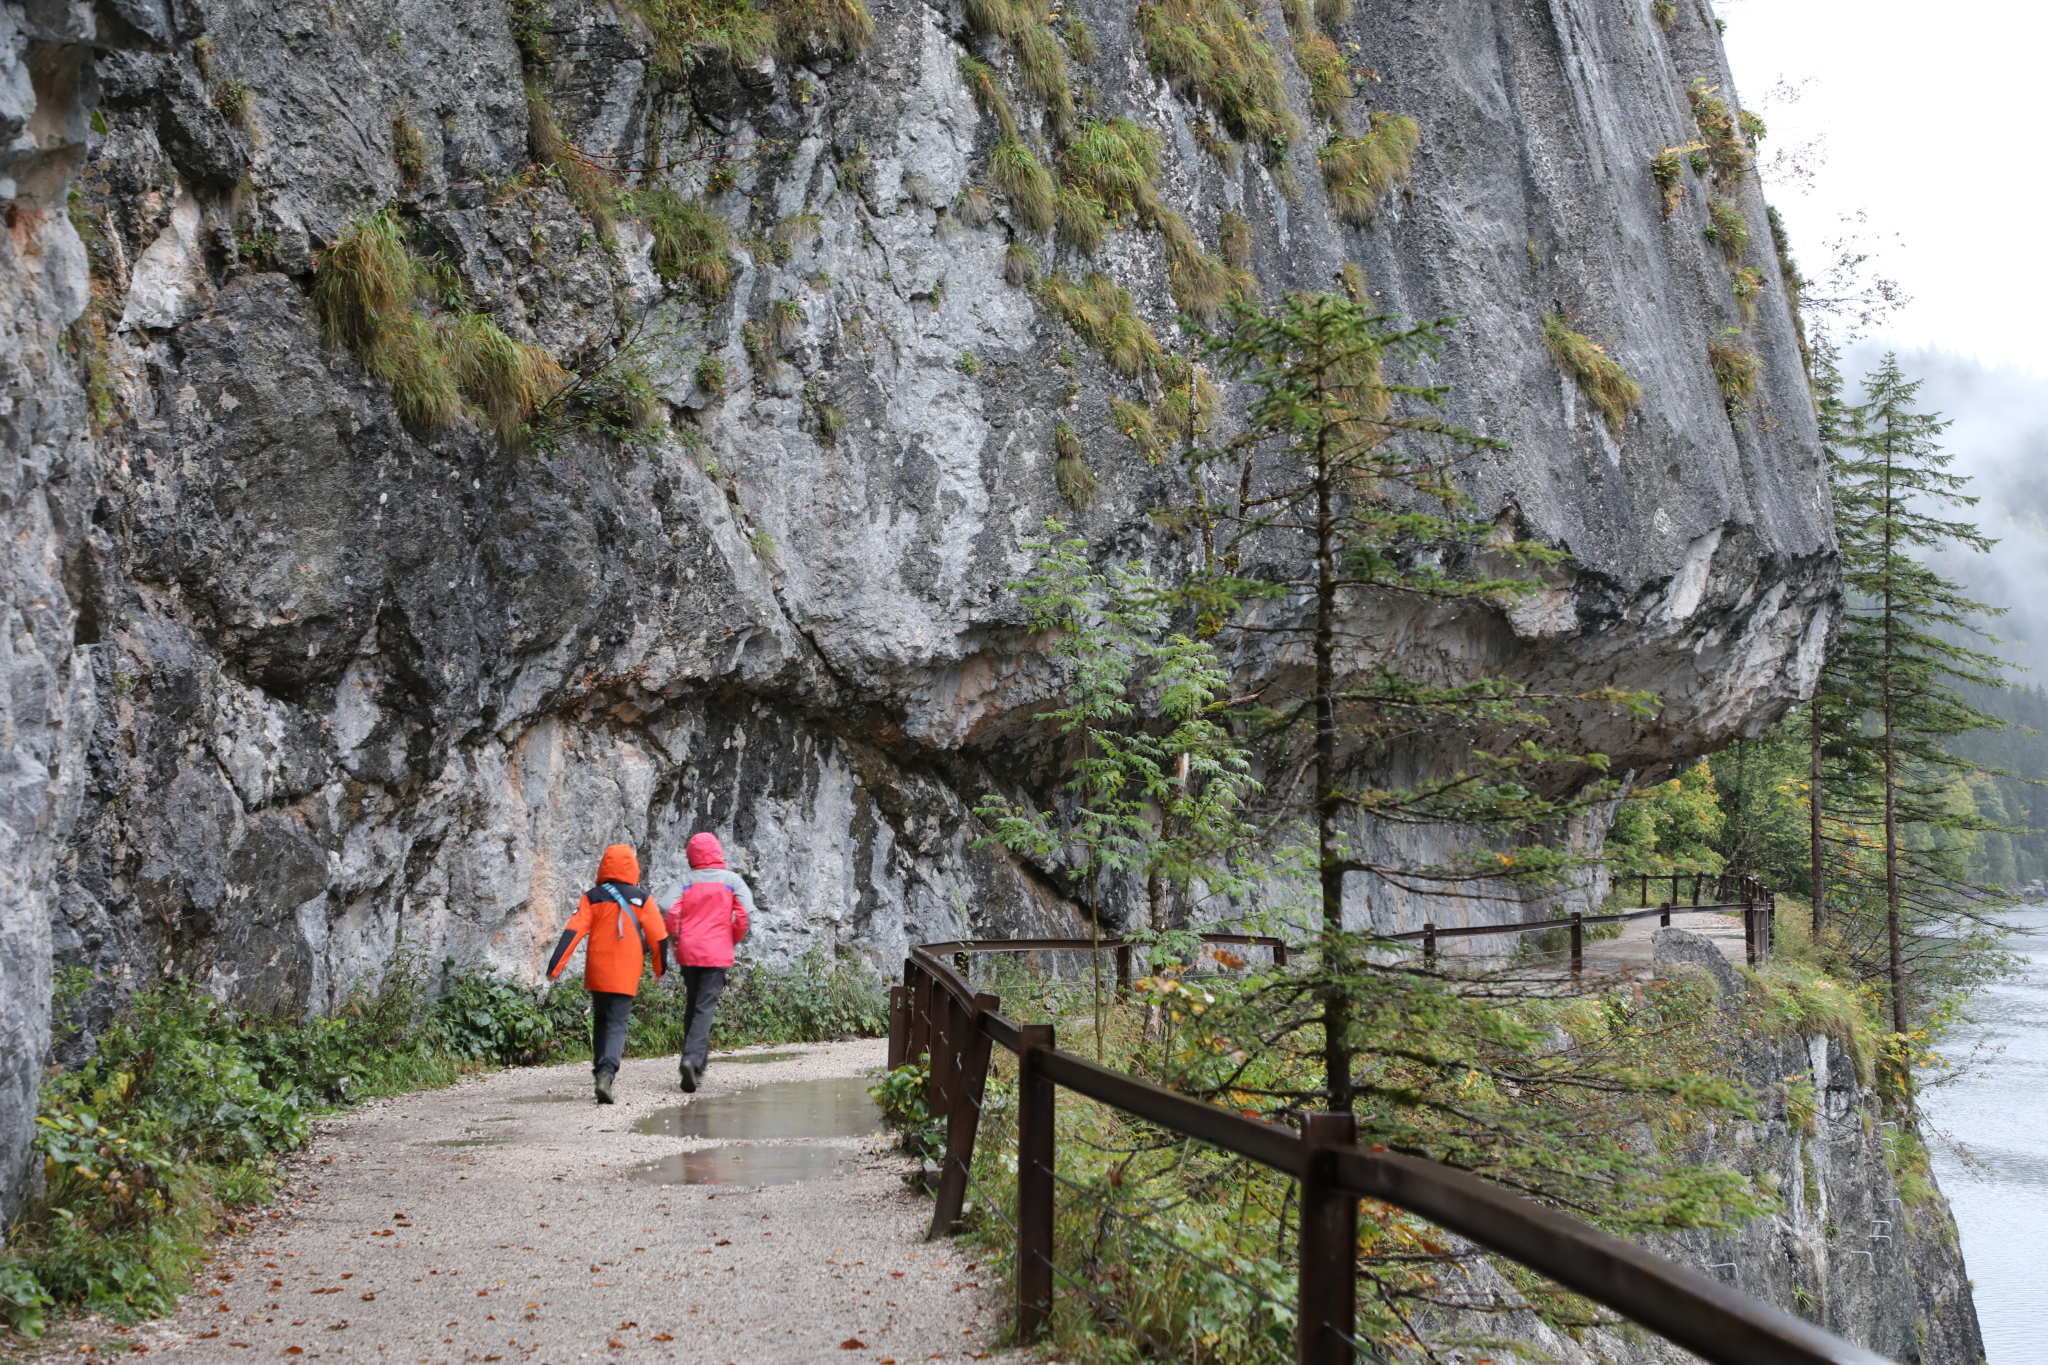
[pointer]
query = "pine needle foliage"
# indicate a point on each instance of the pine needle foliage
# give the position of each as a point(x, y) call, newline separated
point(369, 289)
point(1210, 50)
point(1600, 377)
point(1357, 471)
point(691, 243)
point(1358, 172)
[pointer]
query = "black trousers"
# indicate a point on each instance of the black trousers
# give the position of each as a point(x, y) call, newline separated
point(610, 1012)
point(701, 986)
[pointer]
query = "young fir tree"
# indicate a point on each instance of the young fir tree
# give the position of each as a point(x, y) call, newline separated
point(1336, 502)
point(1158, 788)
point(1889, 696)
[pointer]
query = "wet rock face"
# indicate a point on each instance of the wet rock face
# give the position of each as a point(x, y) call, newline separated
point(293, 686)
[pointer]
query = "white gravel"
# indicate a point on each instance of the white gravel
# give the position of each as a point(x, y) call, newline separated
point(543, 1249)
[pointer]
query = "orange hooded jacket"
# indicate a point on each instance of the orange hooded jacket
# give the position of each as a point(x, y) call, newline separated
point(621, 936)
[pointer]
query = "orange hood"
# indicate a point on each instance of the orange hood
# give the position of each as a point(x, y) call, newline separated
point(619, 865)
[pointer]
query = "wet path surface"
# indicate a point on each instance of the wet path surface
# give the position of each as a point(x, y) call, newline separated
point(510, 1219)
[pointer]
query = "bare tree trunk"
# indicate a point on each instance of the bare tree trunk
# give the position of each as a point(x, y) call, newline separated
point(1336, 999)
point(1894, 946)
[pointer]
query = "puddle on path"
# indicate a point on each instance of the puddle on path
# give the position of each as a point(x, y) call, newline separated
point(838, 1106)
point(748, 1165)
point(549, 1099)
point(756, 1058)
point(493, 1141)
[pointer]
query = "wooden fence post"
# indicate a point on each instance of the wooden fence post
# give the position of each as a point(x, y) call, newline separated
point(970, 1082)
point(1328, 1292)
point(1748, 932)
point(1035, 1157)
point(1429, 942)
point(1123, 968)
point(899, 1025)
point(1646, 888)
point(1578, 942)
point(1696, 887)
point(1664, 920)
point(1279, 955)
point(920, 1016)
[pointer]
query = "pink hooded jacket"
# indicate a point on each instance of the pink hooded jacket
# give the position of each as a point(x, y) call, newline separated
point(711, 914)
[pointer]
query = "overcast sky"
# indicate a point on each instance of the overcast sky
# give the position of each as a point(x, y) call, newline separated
point(1929, 121)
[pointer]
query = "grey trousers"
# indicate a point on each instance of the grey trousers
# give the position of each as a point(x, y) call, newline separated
point(702, 986)
point(609, 1015)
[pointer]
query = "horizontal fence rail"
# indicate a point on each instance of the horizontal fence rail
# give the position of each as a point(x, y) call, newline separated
point(937, 1016)
point(1758, 904)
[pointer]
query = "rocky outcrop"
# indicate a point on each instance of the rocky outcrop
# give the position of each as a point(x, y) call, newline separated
point(1862, 1242)
point(293, 686)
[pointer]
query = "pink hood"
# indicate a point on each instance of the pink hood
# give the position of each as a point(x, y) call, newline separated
point(705, 851)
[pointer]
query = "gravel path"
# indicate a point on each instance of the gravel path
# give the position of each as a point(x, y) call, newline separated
point(1630, 953)
point(542, 1246)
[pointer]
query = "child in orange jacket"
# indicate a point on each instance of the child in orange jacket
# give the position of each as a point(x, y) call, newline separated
point(624, 926)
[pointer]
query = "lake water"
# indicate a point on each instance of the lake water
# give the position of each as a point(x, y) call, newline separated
point(1999, 1186)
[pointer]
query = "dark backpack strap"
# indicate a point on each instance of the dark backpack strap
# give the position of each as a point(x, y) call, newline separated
point(628, 912)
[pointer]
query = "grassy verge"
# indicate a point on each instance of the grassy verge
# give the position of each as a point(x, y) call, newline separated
point(174, 1128)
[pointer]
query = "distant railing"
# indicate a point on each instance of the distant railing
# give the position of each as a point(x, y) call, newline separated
point(1757, 902)
point(936, 1016)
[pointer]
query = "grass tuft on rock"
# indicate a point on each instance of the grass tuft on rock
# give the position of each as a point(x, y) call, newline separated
point(988, 93)
point(1214, 52)
point(1020, 264)
point(1101, 311)
point(408, 151)
point(1234, 238)
point(689, 32)
point(368, 288)
point(1202, 285)
point(1024, 182)
point(1735, 370)
point(690, 241)
point(1728, 229)
point(1360, 171)
point(1327, 73)
point(1600, 377)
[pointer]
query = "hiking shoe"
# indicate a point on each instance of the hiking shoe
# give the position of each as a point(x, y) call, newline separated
point(689, 1079)
point(604, 1087)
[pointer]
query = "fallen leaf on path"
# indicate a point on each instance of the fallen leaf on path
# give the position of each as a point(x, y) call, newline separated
point(368, 1297)
point(663, 1336)
point(294, 1350)
point(853, 1344)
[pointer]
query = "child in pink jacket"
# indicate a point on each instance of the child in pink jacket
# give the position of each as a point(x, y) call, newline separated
point(704, 923)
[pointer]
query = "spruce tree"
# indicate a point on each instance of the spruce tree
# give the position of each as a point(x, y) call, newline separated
point(1333, 507)
point(1890, 695)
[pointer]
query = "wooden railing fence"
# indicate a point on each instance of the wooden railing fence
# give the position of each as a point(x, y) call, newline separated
point(937, 1017)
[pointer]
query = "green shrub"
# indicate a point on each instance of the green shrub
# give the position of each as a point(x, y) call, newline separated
point(690, 241)
point(483, 1017)
point(900, 1095)
point(1668, 173)
point(1600, 377)
point(234, 102)
point(1213, 51)
point(1359, 171)
point(710, 373)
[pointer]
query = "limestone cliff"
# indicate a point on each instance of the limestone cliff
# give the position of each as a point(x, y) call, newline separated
point(292, 684)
